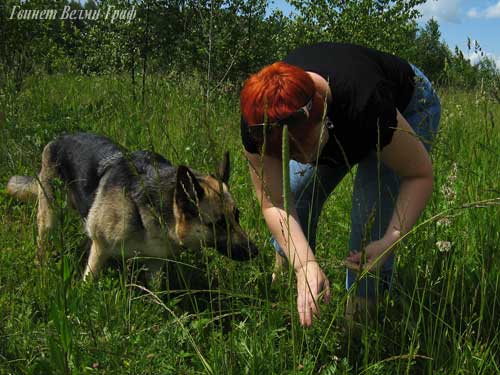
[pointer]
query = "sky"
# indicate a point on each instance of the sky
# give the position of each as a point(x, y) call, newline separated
point(478, 20)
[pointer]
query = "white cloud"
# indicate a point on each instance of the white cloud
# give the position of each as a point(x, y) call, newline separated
point(497, 61)
point(442, 10)
point(493, 11)
point(473, 13)
point(476, 57)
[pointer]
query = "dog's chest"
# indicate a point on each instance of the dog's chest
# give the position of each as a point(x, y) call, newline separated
point(152, 247)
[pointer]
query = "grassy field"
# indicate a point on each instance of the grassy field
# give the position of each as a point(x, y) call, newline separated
point(217, 316)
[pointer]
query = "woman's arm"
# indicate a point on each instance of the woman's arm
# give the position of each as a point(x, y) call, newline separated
point(268, 183)
point(266, 173)
point(407, 156)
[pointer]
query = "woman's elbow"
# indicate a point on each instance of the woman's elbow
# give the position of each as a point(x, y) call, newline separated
point(424, 171)
point(425, 175)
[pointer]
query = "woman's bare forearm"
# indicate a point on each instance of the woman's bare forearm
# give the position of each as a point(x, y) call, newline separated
point(407, 156)
point(414, 193)
point(289, 235)
point(268, 185)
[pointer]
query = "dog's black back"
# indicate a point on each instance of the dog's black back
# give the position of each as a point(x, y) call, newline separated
point(82, 159)
point(148, 177)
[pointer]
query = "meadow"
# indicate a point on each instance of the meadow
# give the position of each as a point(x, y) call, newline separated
point(218, 316)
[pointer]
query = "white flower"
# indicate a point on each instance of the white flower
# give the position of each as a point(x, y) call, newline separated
point(452, 178)
point(448, 189)
point(444, 221)
point(448, 192)
point(443, 246)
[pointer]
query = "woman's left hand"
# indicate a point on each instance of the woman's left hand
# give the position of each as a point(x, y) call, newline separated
point(377, 253)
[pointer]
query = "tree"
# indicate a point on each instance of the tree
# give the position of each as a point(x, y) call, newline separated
point(431, 53)
point(383, 24)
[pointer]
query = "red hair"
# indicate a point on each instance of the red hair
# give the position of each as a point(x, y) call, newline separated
point(280, 89)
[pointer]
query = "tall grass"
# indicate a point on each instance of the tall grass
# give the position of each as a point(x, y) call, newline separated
point(222, 317)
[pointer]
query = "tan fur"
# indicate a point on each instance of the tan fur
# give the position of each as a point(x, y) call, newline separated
point(98, 255)
point(111, 222)
point(27, 188)
point(220, 192)
point(23, 188)
point(45, 215)
point(190, 233)
point(110, 217)
point(109, 227)
point(215, 191)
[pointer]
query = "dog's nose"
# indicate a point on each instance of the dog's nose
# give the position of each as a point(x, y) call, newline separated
point(252, 250)
point(241, 252)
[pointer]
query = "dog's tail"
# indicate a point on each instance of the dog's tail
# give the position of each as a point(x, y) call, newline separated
point(24, 188)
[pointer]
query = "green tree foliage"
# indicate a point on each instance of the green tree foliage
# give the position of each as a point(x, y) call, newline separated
point(431, 53)
point(383, 24)
point(26, 46)
point(459, 71)
point(221, 41)
point(225, 38)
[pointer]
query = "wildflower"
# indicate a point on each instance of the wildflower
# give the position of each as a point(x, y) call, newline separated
point(452, 178)
point(448, 189)
point(448, 192)
point(443, 246)
point(444, 222)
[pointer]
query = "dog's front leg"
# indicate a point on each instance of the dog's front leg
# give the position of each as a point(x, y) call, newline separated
point(97, 258)
point(154, 273)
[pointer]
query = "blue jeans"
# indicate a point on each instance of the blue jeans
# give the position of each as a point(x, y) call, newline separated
point(375, 190)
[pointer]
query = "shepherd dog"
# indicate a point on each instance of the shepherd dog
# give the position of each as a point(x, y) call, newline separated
point(133, 203)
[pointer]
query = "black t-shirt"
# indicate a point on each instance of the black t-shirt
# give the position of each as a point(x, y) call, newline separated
point(367, 87)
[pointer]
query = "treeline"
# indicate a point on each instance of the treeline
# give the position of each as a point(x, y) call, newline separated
point(221, 40)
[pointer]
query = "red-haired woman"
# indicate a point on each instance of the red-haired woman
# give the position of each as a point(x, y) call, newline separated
point(344, 105)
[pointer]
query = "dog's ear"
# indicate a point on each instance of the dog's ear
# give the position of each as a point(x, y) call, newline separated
point(188, 191)
point(224, 168)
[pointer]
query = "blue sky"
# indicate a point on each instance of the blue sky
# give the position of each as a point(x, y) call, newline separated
point(458, 19)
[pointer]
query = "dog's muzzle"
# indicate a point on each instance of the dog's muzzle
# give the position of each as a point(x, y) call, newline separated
point(238, 251)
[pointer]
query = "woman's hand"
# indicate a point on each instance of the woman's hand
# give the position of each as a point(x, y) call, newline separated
point(377, 253)
point(311, 284)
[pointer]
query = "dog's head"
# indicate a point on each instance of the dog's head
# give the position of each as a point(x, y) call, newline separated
point(206, 214)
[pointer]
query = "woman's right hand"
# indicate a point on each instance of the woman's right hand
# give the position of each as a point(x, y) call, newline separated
point(311, 283)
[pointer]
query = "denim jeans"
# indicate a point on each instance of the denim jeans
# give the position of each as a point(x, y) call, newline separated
point(375, 189)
